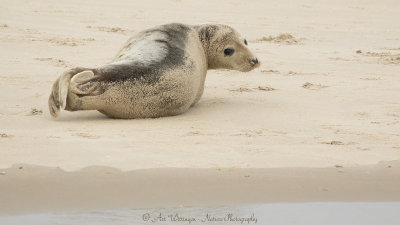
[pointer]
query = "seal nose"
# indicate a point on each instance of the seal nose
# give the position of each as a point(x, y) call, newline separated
point(254, 61)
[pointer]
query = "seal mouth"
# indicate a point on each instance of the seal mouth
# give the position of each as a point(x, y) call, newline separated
point(256, 65)
point(250, 67)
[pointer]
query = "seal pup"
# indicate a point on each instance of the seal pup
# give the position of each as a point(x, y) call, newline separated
point(158, 72)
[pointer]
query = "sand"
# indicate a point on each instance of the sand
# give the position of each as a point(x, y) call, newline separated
point(33, 189)
point(326, 95)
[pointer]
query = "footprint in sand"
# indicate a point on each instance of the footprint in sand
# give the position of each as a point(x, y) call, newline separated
point(340, 59)
point(259, 88)
point(249, 133)
point(193, 133)
point(338, 143)
point(265, 88)
point(284, 38)
point(241, 89)
point(198, 133)
point(86, 135)
point(110, 29)
point(311, 86)
point(362, 114)
point(383, 57)
point(72, 42)
point(55, 62)
point(4, 135)
point(393, 115)
point(35, 112)
point(270, 71)
point(333, 143)
point(370, 78)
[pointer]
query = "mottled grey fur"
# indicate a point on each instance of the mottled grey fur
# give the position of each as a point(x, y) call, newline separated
point(158, 72)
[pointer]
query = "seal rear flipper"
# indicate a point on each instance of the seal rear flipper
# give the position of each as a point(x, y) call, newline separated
point(54, 100)
point(59, 93)
point(85, 84)
point(84, 92)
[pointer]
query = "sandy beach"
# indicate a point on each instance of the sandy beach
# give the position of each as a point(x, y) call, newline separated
point(33, 189)
point(325, 99)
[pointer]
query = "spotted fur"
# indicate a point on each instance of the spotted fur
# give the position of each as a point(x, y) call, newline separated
point(158, 72)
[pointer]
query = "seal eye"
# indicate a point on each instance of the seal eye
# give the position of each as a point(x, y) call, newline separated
point(229, 51)
point(245, 41)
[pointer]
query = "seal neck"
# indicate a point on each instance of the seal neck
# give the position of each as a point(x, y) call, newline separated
point(206, 34)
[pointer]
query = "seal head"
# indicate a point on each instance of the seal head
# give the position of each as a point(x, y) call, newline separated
point(226, 48)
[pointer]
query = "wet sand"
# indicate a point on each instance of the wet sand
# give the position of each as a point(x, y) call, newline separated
point(327, 213)
point(32, 189)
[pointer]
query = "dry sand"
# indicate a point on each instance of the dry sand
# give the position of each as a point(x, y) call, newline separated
point(327, 93)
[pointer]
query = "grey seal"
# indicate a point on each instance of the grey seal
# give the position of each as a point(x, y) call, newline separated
point(158, 72)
